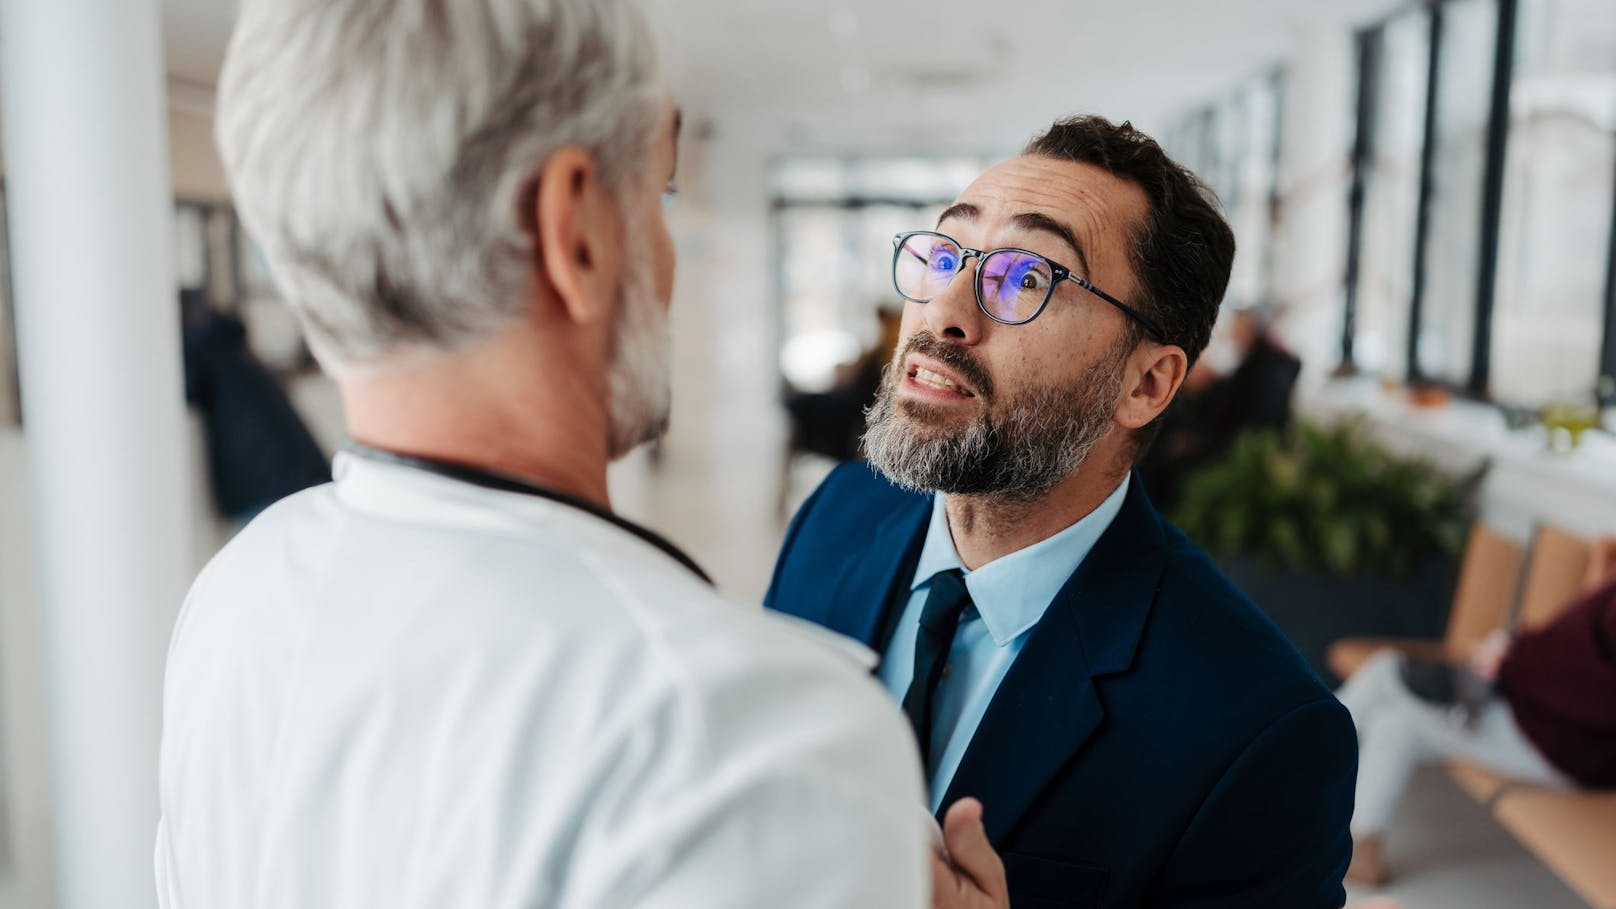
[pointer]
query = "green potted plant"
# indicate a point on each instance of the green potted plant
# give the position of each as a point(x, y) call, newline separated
point(1330, 533)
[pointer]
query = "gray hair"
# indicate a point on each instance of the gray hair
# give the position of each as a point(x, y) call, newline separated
point(382, 152)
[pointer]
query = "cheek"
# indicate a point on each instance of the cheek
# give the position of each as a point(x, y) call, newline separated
point(911, 321)
point(1044, 362)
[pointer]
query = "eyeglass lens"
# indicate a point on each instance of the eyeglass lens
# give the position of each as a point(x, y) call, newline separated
point(1012, 286)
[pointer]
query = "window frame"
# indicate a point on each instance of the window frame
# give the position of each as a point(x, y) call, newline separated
point(1369, 60)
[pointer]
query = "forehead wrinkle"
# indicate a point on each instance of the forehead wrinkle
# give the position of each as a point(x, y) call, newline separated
point(1088, 205)
point(1042, 223)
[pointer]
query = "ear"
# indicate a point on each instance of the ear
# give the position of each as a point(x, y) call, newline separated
point(1151, 379)
point(579, 235)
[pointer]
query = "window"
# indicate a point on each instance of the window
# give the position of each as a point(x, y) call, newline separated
point(1233, 146)
point(1506, 266)
point(834, 223)
point(1249, 188)
point(1400, 58)
point(1466, 43)
point(1560, 178)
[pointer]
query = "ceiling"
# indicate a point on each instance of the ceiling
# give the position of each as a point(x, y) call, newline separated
point(903, 75)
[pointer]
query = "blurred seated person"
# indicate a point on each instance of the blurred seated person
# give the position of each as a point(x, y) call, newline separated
point(1243, 382)
point(830, 423)
point(1539, 708)
point(259, 450)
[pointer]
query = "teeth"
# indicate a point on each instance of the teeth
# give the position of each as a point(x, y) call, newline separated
point(927, 377)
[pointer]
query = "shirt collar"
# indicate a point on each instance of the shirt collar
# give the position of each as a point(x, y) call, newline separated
point(410, 495)
point(1011, 592)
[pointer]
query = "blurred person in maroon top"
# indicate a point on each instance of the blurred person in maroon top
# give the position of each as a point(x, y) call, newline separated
point(1561, 682)
point(1547, 717)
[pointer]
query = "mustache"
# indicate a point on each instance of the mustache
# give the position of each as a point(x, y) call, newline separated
point(951, 355)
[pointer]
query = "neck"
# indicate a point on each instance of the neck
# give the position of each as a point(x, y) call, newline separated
point(491, 408)
point(985, 528)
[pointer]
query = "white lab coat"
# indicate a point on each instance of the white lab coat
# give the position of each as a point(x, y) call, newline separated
point(401, 690)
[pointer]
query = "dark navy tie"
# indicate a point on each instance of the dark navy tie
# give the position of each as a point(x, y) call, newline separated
point(940, 618)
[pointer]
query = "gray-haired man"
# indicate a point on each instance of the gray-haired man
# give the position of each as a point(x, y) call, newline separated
point(453, 677)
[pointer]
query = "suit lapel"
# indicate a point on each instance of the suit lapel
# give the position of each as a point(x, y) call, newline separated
point(869, 583)
point(1047, 707)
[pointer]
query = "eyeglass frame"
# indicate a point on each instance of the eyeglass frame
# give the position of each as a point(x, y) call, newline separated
point(1057, 271)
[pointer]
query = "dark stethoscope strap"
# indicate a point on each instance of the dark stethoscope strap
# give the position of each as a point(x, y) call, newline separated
point(489, 479)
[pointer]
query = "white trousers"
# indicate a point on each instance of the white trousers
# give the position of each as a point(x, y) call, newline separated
point(1397, 732)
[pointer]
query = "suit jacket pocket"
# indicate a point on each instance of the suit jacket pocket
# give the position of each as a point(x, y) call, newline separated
point(1042, 883)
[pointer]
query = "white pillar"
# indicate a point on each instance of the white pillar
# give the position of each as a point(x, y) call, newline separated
point(90, 215)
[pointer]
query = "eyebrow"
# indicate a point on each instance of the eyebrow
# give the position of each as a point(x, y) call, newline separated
point(964, 210)
point(1028, 221)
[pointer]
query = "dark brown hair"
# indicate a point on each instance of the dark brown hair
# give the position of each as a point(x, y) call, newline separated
point(1184, 249)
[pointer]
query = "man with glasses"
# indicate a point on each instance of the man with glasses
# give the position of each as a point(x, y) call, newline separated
point(1136, 731)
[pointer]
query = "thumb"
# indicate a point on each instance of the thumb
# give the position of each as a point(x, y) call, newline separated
point(968, 847)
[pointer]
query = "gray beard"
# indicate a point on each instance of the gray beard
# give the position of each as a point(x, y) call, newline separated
point(1014, 450)
point(638, 378)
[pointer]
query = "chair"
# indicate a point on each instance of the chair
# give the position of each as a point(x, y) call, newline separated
point(1556, 566)
point(1482, 600)
point(1555, 571)
point(1573, 833)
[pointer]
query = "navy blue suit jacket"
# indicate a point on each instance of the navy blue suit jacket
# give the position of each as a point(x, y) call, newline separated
point(1157, 742)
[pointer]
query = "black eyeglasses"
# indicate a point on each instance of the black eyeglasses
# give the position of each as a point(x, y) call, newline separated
point(1012, 285)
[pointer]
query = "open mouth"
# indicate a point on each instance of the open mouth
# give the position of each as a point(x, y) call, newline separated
point(926, 378)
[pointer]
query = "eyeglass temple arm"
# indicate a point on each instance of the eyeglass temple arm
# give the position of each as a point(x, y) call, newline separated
point(1149, 323)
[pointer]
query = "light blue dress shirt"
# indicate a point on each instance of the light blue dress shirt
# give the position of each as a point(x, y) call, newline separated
point(1008, 596)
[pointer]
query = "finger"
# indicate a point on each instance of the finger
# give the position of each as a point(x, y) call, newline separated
point(944, 884)
point(968, 846)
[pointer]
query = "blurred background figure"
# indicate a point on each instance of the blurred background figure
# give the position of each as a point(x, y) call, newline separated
point(259, 450)
point(1423, 197)
point(1243, 382)
point(1538, 708)
point(829, 423)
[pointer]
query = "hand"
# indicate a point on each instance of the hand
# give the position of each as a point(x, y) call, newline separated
point(1488, 654)
point(970, 875)
point(1601, 564)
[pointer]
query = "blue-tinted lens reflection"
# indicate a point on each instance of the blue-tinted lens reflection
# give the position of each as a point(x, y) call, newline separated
point(925, 264)
point(1014, 285)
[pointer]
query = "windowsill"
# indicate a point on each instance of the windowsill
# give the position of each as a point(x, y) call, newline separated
point(1526, 484)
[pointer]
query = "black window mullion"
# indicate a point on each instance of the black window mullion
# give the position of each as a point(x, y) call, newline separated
point(1369, 42)
point(1492, 199)
point(1422, 219)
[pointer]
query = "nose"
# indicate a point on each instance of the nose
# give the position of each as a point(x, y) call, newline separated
point(954, 313)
